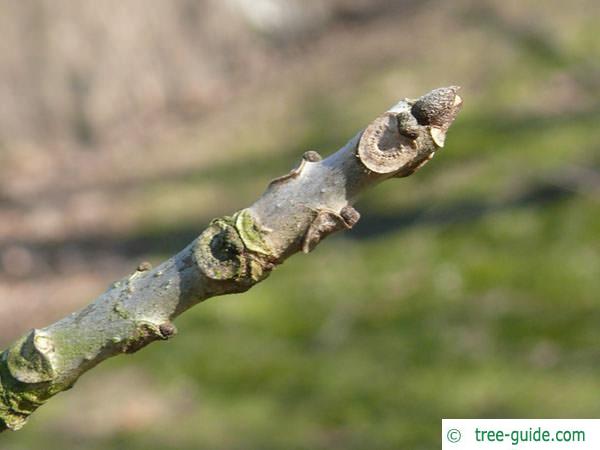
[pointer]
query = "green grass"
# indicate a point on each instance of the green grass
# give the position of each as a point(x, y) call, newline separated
point(482, 302)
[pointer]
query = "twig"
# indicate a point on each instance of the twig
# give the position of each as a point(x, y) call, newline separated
point(232, 254)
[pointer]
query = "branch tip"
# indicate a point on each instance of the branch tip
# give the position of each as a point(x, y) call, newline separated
point(404, 138)
point(296, 212)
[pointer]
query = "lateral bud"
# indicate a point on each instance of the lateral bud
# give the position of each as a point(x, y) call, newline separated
point(29, 359)
point(327, 222)
point(311, 156)
point(219, 251)
point(233, 248)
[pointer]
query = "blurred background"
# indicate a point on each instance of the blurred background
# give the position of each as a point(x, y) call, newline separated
point(468, 290)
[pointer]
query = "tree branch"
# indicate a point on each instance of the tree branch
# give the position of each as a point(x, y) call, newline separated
point(232, 254)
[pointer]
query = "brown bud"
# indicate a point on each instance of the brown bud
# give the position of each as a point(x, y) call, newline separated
point(312, 156)
point(167, 330)
point(438, 108)
point(144, 266)
point(350, 215)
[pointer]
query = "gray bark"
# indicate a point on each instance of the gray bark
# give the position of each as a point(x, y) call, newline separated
point(232, 254)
